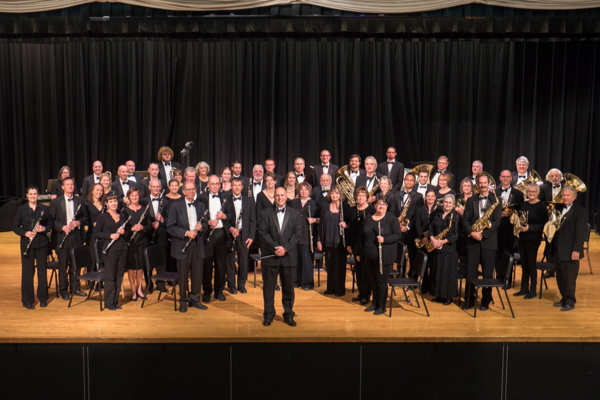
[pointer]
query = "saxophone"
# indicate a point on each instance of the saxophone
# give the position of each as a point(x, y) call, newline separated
point(419, 241)
point(429, 246)
point(402, 217)
point(484, 221)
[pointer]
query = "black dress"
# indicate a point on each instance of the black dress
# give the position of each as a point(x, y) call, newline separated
point(114, 262)
point(335, 253)
point(305, 269)
point(262, 202)
point(93, 214)
point(356, 222)
point(444, 274)
point(135, 250)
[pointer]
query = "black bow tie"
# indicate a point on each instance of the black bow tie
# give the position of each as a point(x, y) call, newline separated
point(190, 204)
point(325, 166)
point(69, 199)
point(505, 190)
point(257, 183)
point(441, 171)
point(125, 183)
point(555, 186)
point(522, 176)
point(422, 187)
point(390, 163)
point(237, 198)
point(302, 174)
point(282, 210)
point(157, 199)
point(167, 164)
point(483, 197)
point(215, 195)
point(354, 172)
point(370, 178)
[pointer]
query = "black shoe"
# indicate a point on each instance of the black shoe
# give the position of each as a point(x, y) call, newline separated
point(567, 307)
point(206, 298)
point(267, 322)
point(277, 286)
point(290, 321)
point(43, 304)
point(558, 304)
point(340, 295)
point(118, 307)
point(80, 293)
point(356, 299)
point(549, 274)
point(530, 295)
point(133, 299)
point(142, 297)
point(437, 300)
point(64, 296)
point(328, 292)
point(28, 306)
point(364, 302)
point(243, 290)
point(182, 307)
point(232, 291)
point(448, 302)
point(520, 293)
point(484, 307)
point(199, 306)
point(467, 306)
point(370, 309)
point(379, 311)
point(221, 297)
point(307, 288)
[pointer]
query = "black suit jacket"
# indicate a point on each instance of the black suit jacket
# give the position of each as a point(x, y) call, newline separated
point(515, 176)
point(317, 195)
point(416, 202)
point(396, 174)
point(224, 198)
point(516, 196)
point(87, 184)
point(572, 233)
point(58, 214)
point(25, 220)
point(143, 185)
point(160, 237)
point(248, 216)
point(490, 235)
point(118, 188)
point(546, 191)
point(315, 177)
point(362, 181)
point(178, 225)
point(451, 183)
point(249, 189)
point(271, 236)
point(161, 170)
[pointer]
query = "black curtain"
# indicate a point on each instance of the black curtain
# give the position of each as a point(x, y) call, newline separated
point(73, 102)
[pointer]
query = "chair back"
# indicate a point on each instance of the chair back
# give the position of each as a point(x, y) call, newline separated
point(154, 257)
point(421, 265)
point(82, 257)
point(402, 262)
point(97, 251)
point(506, 263)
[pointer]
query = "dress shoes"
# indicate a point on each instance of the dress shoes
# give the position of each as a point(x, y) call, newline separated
point(43, 304)
point(558, 304)
point(28, 306)
point(182, 307)
point(243, 290)
point(530, 295)
point(484, 307)
point(277, 286)
point(437, 300)
point(267, 322)
point(199, 306)
point(356, 299)
point(290, 321)
point(233, 291)
point(364, 302)
point(133, 298)
point(80, 293)
point(221, 297)
point(379, 311)
point(467, 306)
point(567, 307)
point(206, 298)
point(520, 293)
point(64, 296)
point(448, 302)
point(328, 292)
point(370, 309)
point(307, 288)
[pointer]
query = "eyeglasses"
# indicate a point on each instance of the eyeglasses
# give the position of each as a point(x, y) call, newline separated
point(382, 204)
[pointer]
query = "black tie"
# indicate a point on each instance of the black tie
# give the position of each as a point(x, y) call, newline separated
point(556, 187)
point(237, 198)
point(190, 204)
point(281, 210)
point(422, 187)
point(483, 198)
point(505, 190)
point(300, 175)
point(155, 199)
point(442, 172)
point(370, 179)
point(167, 164)
point(354, 172)
point(69, 199)
point(390, 163)
point(126, 183)
point(257, 183)
point(522, 176)
point(325, 166)
point(215, 195)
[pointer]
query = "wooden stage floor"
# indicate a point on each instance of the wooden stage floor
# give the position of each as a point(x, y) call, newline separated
point(320, 318)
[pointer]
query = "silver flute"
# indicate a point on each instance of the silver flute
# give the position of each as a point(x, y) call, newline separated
point(62, 244)
point(342, 230)
point(34, 234)
point(200, 221)
point(379, 247)
point(310, 236)
point(105, 251)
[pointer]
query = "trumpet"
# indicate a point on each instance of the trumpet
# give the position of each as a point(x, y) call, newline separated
point(62, 243)
point(34, 234)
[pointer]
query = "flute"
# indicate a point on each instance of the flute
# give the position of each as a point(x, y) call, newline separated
point(139, 222)
point(213, 229)
point(342, 231)
point(200, 221)
point(34, 233)
point(237, 224)
point(62, 244)
point(380, 249)
point(310, 236)
point(157, 214)
point(105, 251)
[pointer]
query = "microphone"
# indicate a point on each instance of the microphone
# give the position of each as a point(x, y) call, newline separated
point(187, 147)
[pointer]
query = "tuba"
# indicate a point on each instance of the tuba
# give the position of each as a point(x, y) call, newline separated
point(534, 177)
point(492, 185)
point(421, 167)
point(346, 185)
point(570, 180)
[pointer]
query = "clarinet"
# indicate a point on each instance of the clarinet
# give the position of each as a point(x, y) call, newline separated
point(380, 249)
point(213, 229)
point(158, 212)
point(62, 244)
point(105, 251)
point(250, 187)
point(342, 231)
point(34, 232)
point(139, 222)
point(310, 236)
point(200, 221)
point(237, 224)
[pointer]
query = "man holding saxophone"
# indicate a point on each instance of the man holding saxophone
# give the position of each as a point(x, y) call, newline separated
point(480, 223)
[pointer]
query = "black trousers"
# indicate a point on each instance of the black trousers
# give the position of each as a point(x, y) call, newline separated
point(287, 275)
point(35, 258)
point(190, 266)
point(305, 270)
point(528, 250)
point(487, 258)
point(242, 270)
point(378, 281)
point(219, 261)
point(67, 274)
point(335, 261)
point(114, 268)
point(506, 242)
point(566, 278)
point(363, 280)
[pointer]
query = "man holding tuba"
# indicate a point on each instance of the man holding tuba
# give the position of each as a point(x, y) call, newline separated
point(552, 188)
point(483, 212)
point(567, 247)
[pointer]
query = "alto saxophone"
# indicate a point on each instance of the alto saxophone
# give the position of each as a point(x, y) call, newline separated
point(402, 217)
point(429, 246)
point(419, 241)
point(484, 221)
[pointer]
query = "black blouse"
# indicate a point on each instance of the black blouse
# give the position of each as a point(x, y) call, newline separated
point(262, 202)
point(24, 221)
point(536, 219)
point(106, 226)
point(141, 236)
point(356, 222)
point(439, 224)
point(390, 230)
point(424, 218)
point(314, 213)
point(329, 227)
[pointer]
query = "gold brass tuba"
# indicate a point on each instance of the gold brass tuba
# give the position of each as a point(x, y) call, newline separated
point(427, 167)
point(346, 185)
point(534, 177)
point(492, 185)
point(575, 182)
